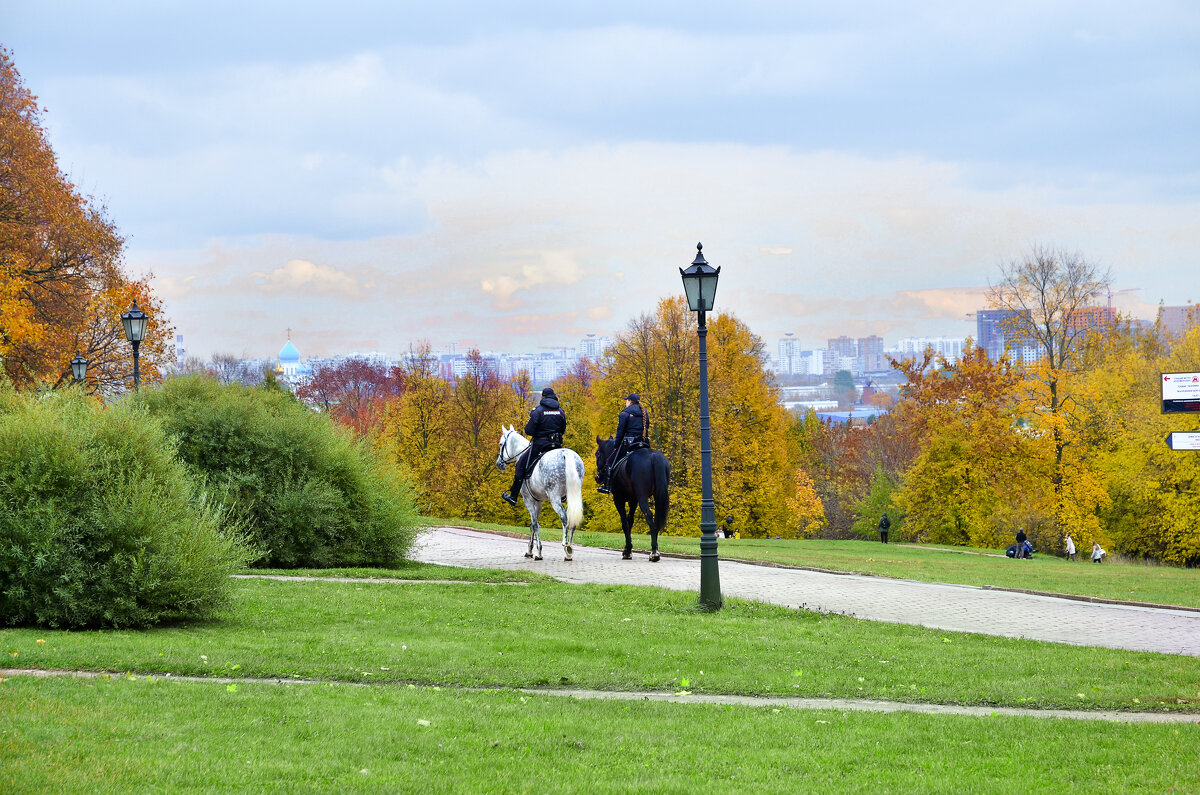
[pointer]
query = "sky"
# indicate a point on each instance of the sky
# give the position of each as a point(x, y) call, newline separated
point(513, 176)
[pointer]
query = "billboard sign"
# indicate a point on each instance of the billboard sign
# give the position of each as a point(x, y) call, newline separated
point(1180, 393)
point(1183, 441)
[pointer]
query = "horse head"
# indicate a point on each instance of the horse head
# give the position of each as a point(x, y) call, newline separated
point(510, 446)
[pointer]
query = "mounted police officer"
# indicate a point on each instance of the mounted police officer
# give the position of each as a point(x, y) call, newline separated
point(633, 431)
point(547, 424)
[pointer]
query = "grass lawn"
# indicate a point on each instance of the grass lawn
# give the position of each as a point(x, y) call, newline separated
point(609, 637)
point(68, 735)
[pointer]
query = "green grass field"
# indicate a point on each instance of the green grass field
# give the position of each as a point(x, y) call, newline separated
point(610, 638)
point(393, 712)
point(73, 735)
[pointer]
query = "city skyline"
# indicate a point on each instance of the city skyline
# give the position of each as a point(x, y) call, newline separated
point(508, 179)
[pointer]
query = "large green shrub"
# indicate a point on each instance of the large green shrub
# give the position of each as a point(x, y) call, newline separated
point(310, 494)
point(100, 524)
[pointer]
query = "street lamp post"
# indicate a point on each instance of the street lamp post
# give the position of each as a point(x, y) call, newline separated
point(135, 331)
point(78, 368)
point(700, 286)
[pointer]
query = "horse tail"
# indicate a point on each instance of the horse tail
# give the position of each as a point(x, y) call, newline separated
point(574, 466)
point(662, 477)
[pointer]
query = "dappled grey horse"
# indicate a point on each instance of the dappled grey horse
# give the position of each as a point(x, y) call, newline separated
point(557, 477)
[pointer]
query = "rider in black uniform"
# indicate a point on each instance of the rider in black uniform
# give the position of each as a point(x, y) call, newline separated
point(632, 429)
point(546, 425)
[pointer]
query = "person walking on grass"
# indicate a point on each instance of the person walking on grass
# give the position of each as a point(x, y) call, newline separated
point(884, 524)
point(1021, 538)
point(1097, 552)
point(1070, 548)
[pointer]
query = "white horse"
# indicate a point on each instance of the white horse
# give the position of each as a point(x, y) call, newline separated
point(558, 476)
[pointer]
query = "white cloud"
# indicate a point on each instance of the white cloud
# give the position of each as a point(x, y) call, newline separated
point(302, 277)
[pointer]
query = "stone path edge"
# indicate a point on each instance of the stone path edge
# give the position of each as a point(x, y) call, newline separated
point(386, 580)
point(834, 704)
point(772, 565)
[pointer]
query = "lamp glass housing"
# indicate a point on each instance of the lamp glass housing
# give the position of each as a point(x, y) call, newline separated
point(700, 283)
point(79, 367)
point(135, 323)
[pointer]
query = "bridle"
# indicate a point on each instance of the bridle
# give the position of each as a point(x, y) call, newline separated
point(501, 455)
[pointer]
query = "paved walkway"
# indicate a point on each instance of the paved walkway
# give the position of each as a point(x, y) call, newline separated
point(957, 608)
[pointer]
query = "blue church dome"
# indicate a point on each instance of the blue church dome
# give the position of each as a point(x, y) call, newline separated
point(289, 353)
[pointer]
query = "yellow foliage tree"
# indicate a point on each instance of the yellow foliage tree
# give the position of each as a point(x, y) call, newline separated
point(658, 357)
point(62, 285)
point(804, 505)
point(1154, 491)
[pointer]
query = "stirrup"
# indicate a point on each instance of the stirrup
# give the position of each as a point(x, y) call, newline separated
point(511, 500)
point(603, 489)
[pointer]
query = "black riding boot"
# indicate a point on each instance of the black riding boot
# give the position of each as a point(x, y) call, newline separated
point(605, 487)
point(510, 496)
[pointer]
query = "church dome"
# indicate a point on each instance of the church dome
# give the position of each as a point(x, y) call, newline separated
point(289, 353)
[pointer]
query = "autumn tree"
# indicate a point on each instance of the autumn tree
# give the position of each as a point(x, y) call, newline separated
point(658, 357)
point(415, 429)
point(968, 479)
point(1051, 298)
point(353, 392)
point(1154, 492)
point(62, 284)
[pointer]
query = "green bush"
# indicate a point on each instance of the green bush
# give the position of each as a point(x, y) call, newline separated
point(100, 524)
point(310, 494)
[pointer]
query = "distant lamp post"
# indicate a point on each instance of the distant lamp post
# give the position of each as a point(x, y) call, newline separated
point(78, 368)
point(700, 286)
point(135, 331)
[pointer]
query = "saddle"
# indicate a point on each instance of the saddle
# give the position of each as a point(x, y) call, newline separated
point(631, 447)
point(533, 461)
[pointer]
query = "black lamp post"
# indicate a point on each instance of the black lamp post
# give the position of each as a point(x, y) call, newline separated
point(700, 286)
point(78, 368)
point(135, 331)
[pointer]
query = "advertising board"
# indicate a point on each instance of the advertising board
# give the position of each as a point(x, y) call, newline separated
point(1180, 393)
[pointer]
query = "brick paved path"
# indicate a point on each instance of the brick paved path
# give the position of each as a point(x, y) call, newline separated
point(958, 608)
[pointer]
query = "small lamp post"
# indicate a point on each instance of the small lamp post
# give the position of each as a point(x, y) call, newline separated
point(78, 368)
point(135, 331)
point(700, 287)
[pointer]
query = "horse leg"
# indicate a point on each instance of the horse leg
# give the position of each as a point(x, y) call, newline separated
point(535, 536)
point(644, 504)
point(556, 504)
point(627, 526)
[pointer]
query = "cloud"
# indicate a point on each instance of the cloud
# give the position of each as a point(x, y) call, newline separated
point(301, 277)
point(775, 251)
point(529, 270)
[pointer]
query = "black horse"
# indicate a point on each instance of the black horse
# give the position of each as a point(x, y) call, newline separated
point(642, 474)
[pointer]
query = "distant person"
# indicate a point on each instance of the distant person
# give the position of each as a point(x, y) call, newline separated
point(1021, 538)
point(1070, 548)
point(1097, 552)
point(884, 524)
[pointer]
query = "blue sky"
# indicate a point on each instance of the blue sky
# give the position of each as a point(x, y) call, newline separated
point(510, 176)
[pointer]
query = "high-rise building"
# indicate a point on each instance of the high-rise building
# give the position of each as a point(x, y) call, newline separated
point(950, 347)
point(593, 347)
point(870, 354)
point(844, 346)
point(789, 350)
point(998, 329)
point(1176, 320)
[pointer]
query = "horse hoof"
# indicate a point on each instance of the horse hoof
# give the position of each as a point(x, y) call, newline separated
point(538, 557)
point(626, 556)
point(654, 557)
point(567, 558)
point(529, 554)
